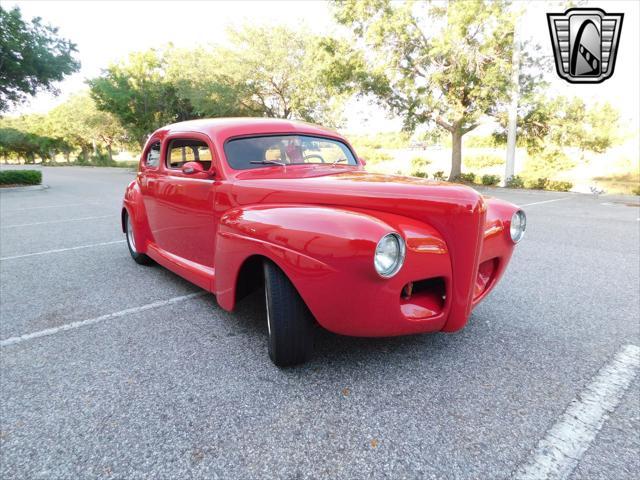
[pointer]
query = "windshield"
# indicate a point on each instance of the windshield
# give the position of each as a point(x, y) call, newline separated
point(259, 152)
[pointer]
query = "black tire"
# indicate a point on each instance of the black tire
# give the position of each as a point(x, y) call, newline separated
point(289, 321)
point(140, 258)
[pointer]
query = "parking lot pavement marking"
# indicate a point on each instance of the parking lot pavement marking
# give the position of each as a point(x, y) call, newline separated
point(58, 250)
point(48, 206)
point(57, 221)
point(559, 452)
point(101, 318)
point(545, 201)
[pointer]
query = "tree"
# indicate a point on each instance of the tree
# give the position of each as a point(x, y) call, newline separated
point(284, 73)
point(32, 57)
point(138, 94)
point(448, 66)
point(547, 125)
point(564, 122)
point(201, 81)
point(274, 72)
point(27, 145)
point(79, 123)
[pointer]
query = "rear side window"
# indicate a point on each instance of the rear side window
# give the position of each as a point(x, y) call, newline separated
point(182, 151)
point(152, 160)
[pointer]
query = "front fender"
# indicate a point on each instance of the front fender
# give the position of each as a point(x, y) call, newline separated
point(327, 253)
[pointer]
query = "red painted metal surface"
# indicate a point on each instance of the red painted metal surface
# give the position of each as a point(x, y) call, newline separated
point(320, 224)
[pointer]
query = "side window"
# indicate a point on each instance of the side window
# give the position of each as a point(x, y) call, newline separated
point(182, 151)
point(152, 159)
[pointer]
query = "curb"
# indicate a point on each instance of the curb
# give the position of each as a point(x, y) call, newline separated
point(26, 187)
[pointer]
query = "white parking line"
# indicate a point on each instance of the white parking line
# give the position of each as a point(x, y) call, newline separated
point(558, 453)
point(545, 201)
point(49, 206)
point(56, 221)
point(102, 318)
point(58, 250)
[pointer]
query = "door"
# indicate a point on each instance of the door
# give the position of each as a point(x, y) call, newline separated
point(183, 221)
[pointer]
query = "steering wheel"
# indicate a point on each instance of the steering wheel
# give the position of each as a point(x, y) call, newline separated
point(314, 155)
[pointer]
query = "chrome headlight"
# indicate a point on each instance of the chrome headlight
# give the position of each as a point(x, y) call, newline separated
point(518, 226)
point(389, 255)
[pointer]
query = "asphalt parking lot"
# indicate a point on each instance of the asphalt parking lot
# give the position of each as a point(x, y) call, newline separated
point(152, 388)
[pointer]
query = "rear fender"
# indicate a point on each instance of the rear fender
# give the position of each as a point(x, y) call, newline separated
point(134, 207)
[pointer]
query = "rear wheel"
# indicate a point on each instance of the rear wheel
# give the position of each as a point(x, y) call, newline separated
point(140, 258)
point(289, 321)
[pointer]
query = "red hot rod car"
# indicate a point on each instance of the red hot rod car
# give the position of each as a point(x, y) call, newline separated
point(233, 205)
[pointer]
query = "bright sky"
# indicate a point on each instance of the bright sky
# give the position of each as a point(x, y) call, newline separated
point(106, 31)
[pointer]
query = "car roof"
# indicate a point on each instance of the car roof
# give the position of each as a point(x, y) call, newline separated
point(224, 128)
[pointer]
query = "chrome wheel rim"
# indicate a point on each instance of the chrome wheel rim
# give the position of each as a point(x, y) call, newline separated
point(130, 239)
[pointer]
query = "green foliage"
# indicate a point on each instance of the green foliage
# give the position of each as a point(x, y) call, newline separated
point(287, 73)
point(636, 191)
point(490, 180)
point(449, 65)
point(439, 175)
point(540, 183)
point(20, 177)
point(264, 71)
point(547, 162)
point(32, 57)
point(465, 178)
point(74, 125)
point(419, 167)
point(24, 144)
point(79, 122)
point(564, 122)
point(138, 94)
point(102, 160)
point(544, 183)
point(200, 81)
point(514, 182)
point(483, 160)
point(558, 186)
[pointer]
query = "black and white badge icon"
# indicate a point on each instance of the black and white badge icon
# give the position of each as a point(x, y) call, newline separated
point(585, 43)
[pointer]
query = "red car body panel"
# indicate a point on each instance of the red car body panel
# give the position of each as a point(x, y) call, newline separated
point(320, 224)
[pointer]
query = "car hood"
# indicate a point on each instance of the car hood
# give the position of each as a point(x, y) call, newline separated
point(414, 197)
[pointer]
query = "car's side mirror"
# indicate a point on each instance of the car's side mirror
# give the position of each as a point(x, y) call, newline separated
point(362, 161)
point(190, 168)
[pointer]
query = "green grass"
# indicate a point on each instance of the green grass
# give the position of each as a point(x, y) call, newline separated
point(625, 183)
point(20, 177)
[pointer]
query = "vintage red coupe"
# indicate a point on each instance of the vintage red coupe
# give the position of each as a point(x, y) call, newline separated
point(233, 205)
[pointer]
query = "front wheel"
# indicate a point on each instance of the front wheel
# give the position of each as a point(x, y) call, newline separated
point(289, 321)
point(140, 258)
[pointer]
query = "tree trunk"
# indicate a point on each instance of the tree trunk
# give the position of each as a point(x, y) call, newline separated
point(456, 154)
point(109, 152)
point(85, 154)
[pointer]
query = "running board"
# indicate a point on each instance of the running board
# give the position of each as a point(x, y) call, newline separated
point(198, 274)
